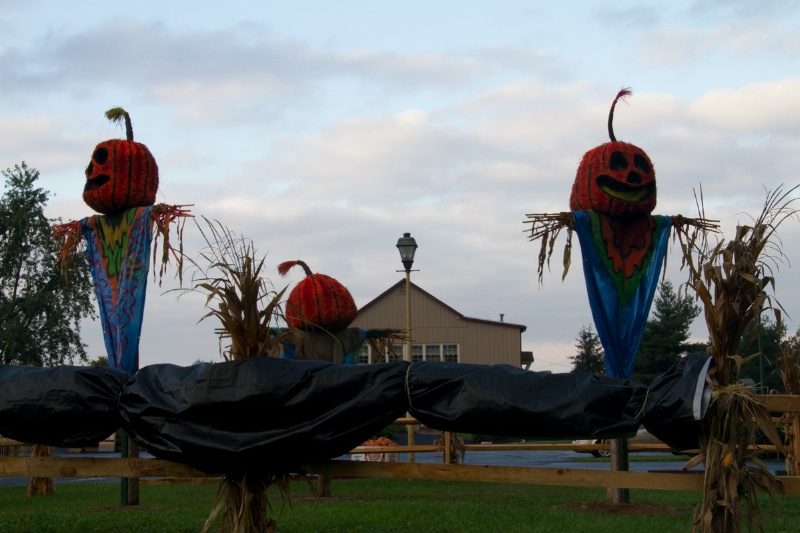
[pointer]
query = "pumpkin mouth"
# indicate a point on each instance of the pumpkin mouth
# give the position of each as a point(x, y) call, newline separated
point(92, 184)
point(623, 191)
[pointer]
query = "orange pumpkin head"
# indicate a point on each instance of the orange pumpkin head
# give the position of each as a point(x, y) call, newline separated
point(122, 173)
point(615, 178)
point(318, 301)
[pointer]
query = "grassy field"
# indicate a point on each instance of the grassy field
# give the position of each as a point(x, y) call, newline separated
point(373, 506)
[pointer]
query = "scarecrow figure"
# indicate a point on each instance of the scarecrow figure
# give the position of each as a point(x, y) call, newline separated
point(121, 184)
point(623, 244)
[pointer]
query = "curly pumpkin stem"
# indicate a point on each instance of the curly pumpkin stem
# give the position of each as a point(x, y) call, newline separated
point(621, 95)
point(117, 115)
point(284, 267)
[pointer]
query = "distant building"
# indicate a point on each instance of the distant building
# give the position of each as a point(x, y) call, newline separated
point(439, 332)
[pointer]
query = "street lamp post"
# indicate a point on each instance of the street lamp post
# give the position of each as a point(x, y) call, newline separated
point(408, 247)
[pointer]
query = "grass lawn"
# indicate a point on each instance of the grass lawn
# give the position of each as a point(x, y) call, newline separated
point(373, 506)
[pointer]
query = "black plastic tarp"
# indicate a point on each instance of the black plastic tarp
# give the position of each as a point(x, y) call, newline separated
point(61, 406)
point(273, 415)
point(677, 402)
point(261, 414)
point(505, 400)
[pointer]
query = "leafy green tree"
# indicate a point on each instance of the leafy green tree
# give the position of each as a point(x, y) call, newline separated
point(666, 334)
point(788, 369)
point(792, 342)
point(40, 311)
point(590, 353)
point(765, 340)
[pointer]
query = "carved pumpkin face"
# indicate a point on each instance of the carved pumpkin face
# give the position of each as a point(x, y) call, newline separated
point(615, 179)
point(121, 175)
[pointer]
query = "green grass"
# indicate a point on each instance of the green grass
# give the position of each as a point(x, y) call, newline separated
point(365, 506)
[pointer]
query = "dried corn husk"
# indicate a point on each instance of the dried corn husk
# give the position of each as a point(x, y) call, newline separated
point(248, 310)
point(731, 279)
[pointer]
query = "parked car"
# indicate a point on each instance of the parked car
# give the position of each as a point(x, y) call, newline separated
point(642, 437)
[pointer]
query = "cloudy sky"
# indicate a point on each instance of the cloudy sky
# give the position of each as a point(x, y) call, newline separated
point(324, 131)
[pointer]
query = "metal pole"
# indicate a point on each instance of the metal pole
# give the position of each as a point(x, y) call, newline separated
point(761, 386)
point(409, 344)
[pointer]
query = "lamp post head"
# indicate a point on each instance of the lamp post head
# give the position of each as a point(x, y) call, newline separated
point(408, 247)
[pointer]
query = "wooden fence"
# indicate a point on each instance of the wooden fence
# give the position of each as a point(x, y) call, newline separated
point(161, 469)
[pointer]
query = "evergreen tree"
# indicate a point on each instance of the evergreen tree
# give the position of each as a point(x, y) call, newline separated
point(590, 353)
point(40, 311)
point(665, 334)
point(99, 362)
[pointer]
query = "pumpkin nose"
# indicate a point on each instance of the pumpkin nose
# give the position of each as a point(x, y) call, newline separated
point(634, 178)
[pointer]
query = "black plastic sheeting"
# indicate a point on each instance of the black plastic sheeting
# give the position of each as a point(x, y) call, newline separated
point(678, 401)
point(505, 400)
point(260, 414)
point(268, 416)
point(62, 406)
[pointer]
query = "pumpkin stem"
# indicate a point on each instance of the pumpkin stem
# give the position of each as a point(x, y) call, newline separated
point(284, 267)
point(116, 115)
point(621, 95)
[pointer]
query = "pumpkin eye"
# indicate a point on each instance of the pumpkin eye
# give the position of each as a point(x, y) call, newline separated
point(641, 163)
point(100, 156)
point(617, 162)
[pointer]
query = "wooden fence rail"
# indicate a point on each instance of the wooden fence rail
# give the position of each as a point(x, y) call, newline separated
point(87, 467)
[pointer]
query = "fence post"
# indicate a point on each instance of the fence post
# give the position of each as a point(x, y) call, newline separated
point(796, 443)
point(324, 486)
point(619, 461)
point(129, 486)
point(133, 482)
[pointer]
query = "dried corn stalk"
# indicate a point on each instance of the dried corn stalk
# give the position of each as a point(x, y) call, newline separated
point(387, 343)
point(245, 304)
point(731, 280)
point(248, 309)
point(546, 227)
point(243, 506)
point(457, 452)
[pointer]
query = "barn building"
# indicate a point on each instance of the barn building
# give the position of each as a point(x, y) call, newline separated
point(439, 332)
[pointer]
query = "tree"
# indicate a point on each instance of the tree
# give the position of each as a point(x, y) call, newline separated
point(590, 353)
point(40, 310)
point(789, 371)
point(99, 362)
point(665, 334)
point(765, 338)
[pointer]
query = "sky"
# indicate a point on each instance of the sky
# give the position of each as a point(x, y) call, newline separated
point(324, 131)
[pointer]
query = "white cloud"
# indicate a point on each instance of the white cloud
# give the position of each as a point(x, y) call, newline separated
point(328, 153)
point(756, 109)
